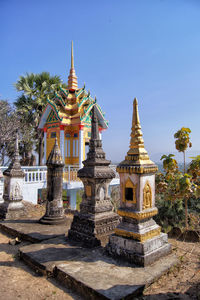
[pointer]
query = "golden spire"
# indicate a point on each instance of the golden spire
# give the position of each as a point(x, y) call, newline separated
point(72, 57)
point(137, 159)
point(72, 79)
point(136, 141)
point(137, 152)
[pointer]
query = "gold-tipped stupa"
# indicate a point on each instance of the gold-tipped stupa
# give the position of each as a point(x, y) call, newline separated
point(137, 159)
point(72, 78)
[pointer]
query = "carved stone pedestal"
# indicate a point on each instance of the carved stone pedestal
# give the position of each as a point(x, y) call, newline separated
point(96, 220)
point(12, 207)
point(93, 231)
point(54, 207)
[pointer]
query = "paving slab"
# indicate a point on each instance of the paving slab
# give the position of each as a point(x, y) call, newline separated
point(91, 272)
point(32, 231)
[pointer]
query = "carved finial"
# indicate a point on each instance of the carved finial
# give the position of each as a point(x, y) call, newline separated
point(84, 86)
point(95, 99)
point(137, 152)
point(88, 93)
point(95, 126)
point(17, 142)
point(55, 157)
point(136, 133)
point(72, 57)
point(72, 79)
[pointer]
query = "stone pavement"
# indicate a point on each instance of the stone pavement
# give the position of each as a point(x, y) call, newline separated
point(91, 272)
point(34, 232)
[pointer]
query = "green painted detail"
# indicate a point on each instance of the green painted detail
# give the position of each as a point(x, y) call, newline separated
point(77, 94)
point(60, 99)
point(51, 117)
point(54, 108)
point(88, 109)
point(53, 126)
point(66, 92)
point(81, 103)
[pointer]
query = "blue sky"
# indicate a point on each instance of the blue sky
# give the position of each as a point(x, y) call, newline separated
point(123, 49)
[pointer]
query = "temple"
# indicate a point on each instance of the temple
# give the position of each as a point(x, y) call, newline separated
point(67, 116)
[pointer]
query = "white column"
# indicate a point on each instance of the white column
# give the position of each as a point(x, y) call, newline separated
point(100, 134)
point(45, 146)
point(80, 146)
point(62, 142)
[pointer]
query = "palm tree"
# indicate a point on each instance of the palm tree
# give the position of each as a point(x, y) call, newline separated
point(30, 104)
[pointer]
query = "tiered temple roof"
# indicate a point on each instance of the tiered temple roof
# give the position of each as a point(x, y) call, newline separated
point(72, 106)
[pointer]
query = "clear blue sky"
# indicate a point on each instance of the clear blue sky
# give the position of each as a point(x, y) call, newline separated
point(123, 49)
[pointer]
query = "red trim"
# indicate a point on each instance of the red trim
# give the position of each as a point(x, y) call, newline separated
point(62, 127)
point(101, 129)
point(81, 126)
point(45, 129)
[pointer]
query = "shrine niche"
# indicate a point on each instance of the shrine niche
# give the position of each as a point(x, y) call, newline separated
point(147, 196)
point(129, 191)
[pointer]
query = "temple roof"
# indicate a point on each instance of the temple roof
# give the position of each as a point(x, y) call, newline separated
point(72, 105)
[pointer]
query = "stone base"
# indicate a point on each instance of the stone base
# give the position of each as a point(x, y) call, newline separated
point(47, 220)
point(91, 273)
point(93, 231)
point(31, 230)
point(135, 252)
point(7, 213)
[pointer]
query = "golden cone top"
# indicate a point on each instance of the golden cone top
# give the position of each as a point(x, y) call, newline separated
point(72, 78)
point(137, 159)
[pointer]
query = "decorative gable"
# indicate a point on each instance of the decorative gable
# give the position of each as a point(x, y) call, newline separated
point(52, 117)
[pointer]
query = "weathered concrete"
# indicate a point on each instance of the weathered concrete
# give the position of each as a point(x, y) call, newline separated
point(96, 219)
point(31, 230)
point(54, 206)
point(91, 272)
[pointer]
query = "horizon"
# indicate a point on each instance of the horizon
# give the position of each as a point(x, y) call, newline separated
point(148, 50)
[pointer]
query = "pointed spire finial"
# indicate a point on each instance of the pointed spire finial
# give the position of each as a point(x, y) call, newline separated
point(55, 157)
point(72, 57)
point(137, 159)
point(95, 126)
point(137, 152)
point(136, 133)
point(72, 79)
point(17, 143)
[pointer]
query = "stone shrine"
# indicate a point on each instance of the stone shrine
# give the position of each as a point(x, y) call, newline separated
point(96, 220)
point(54, 207)
point(12, 207)
point(137, 239)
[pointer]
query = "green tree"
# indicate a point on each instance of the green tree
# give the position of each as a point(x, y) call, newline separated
point(182, 141)
point(186, 189)
point(169, 163)
point(35, 89)
point(194, 167)
point(8, 126)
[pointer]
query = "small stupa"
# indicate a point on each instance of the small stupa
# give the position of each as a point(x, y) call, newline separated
point(137, 239)
point(96, 219)
point(12, 207)
point(54, 207)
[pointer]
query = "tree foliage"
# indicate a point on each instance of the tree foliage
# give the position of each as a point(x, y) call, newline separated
point(8, 126)
point(182, 141)
point(35, 90)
